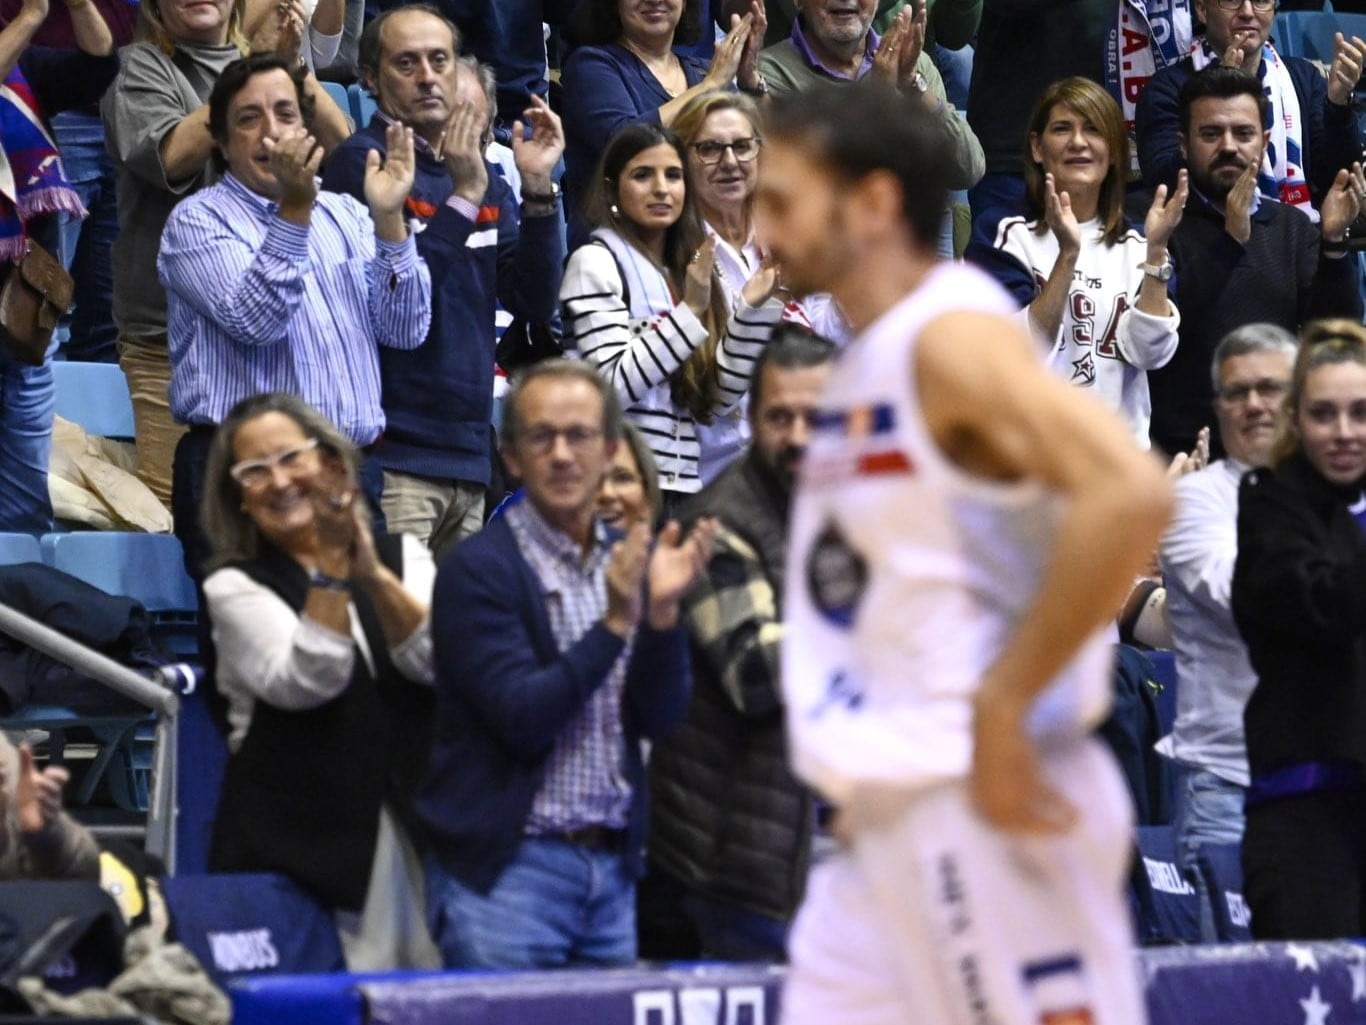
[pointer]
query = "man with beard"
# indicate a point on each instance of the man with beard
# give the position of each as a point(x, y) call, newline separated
point(1251, 375)
point(963, 526)
point(1239, 256)
point(724, 772)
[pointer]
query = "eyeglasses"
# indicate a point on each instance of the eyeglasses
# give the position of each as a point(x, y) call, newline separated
point(709, 151)
point(541, 440)
point(1271, 391)
point(1257, 5)
point(257, 473)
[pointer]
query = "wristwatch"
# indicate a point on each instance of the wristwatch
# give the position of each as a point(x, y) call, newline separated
point(544, 198)
point(920, 83)
point(1163, 271)
point(317, 578)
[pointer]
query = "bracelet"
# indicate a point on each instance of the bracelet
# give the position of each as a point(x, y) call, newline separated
point(760, 87)
point(317, 578)
point(1329, 246)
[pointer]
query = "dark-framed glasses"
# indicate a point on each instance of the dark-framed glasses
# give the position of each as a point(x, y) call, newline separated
point(710, 151)
point(542, 439)
point(257, 473)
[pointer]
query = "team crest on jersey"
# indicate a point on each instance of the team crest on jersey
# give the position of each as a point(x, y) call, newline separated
point(1072, 1016)
point(868, 442)
point(836, 576)
point(1058, 987)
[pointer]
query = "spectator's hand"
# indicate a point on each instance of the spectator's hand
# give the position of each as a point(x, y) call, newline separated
point(365, 563)
point(333, 495)
point(537, 156)
point(899, 50)
point(675, 565)
point(387, 187)
point(294, 159)
point(1165, 214)
point(1240, 45)
point(461, 147)
point(762, 283)
point(37, 795)
point(747, 73)
point(697, 287)
point(1007, 786)
point(293, 30)
point(625, 575)
point(725, 62)
point(1193, 461)
point(1058, 215)
point(1342, 203)
point(1345, 71)
point(1238, 203)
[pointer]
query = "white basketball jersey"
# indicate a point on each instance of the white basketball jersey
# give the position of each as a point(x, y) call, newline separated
point(906, 576)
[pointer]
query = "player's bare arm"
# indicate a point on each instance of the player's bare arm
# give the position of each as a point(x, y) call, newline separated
point(997, 414)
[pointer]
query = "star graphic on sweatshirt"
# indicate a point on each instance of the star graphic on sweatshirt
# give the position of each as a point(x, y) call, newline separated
point(1305, 961)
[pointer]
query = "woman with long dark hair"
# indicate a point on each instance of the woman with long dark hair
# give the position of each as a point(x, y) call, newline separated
point(643, 303)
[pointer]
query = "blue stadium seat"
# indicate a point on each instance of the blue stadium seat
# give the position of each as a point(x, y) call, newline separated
point(149, 568)
point(16, 548)
point(363, 105)
point(245, 925)
point(1222, 868)
point(95, 396)
point(338, 93)
point(1168, 905)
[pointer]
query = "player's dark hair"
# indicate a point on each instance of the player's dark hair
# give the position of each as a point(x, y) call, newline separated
point(857, 129)
point(1223, 84)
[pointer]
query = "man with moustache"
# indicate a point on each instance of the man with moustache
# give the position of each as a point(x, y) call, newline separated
point(1240, 257)
point(724, 772)
point(1251, 374)
point(1313, 128)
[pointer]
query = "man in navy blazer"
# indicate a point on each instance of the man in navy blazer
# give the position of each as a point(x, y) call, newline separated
point(558, 648)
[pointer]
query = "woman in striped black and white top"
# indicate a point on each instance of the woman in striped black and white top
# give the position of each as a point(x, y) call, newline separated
point(643, 303)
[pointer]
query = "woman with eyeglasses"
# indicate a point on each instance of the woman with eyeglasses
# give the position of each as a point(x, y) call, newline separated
point(1313, 127)
point(720, 134)
point(642, 301)
point(625, 70)
point(1093, 290)
point(1299, 599)
point(324, 657)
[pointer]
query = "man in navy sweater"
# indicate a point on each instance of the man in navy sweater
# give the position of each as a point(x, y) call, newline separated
point(558, 647)
point(481, 249)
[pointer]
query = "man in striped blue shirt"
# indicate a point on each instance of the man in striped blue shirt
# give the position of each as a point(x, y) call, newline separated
point(274, 286)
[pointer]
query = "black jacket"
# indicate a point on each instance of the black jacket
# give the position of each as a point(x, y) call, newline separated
point(1299, 599)
point(729, 819)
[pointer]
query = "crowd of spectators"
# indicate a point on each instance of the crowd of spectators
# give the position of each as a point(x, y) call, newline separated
point(306, 309)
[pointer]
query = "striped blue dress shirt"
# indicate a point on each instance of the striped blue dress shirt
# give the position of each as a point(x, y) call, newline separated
point(260, 304)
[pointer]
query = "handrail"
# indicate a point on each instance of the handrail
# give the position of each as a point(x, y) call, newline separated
point(100, 667)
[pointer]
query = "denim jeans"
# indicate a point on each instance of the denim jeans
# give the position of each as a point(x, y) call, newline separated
point(85, 244)
point(732, 933)
point(555, 905)
point(1209, 810)
point(27, 400)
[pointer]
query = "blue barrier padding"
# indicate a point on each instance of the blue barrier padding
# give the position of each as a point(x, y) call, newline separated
point(1217, 984)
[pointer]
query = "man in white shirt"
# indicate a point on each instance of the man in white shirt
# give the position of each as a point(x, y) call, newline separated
point(1251, 372)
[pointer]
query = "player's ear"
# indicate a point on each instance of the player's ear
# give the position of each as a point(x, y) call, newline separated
point(876, 202)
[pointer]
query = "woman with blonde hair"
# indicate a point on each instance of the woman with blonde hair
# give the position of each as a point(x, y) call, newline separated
point(1092, 289)
point(643, 303)
point(1299, 599)
point(720, 132)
